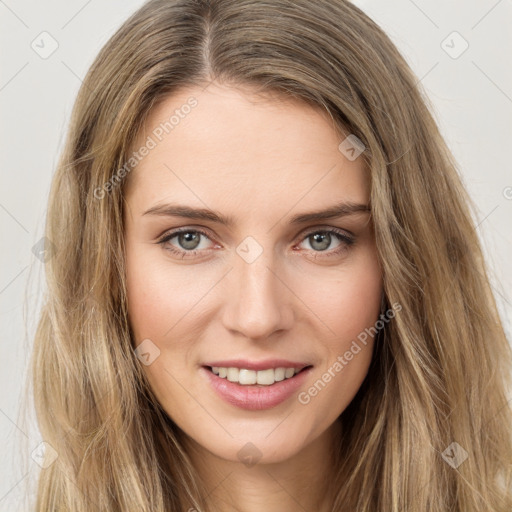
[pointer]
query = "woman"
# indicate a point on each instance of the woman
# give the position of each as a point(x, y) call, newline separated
point(267, 291)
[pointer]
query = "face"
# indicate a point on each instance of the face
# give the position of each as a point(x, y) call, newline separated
point(244, 306)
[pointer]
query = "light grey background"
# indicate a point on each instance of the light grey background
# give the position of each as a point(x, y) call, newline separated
point(471, 94)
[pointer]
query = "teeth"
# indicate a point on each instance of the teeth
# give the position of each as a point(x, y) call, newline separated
point(249, 377)
point(233, 374)
point(279, 374)
point(266, 377)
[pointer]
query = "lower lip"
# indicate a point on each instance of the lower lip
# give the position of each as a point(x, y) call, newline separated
point(256, 397)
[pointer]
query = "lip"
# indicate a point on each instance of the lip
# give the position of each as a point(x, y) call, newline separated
point(258, 365)
point(256, 397)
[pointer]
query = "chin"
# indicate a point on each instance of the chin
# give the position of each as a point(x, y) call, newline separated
point(257, 445)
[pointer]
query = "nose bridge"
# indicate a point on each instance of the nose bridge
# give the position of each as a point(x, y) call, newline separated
point(258, 303)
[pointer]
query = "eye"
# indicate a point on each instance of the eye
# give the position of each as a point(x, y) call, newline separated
point(188, 239)
point(188, 242)
point(321, 240)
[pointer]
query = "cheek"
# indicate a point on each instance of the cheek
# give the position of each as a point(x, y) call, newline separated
point(160, 296)
point(161, 302)
point(357, 302)
point(165, 304)
point(350, 306)
point(349, 301)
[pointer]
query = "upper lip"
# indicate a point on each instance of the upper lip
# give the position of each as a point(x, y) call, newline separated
point(258, 365)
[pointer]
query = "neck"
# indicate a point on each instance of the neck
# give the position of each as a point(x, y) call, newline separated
point(300, 482)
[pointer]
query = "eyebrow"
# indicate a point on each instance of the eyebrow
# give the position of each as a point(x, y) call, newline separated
point(338, 210)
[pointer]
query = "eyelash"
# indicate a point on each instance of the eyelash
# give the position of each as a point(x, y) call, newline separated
point(346, 242)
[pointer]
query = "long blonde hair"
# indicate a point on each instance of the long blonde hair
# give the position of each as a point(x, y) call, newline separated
point(441, 370)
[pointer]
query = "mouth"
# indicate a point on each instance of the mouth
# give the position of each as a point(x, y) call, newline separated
point(256, 386)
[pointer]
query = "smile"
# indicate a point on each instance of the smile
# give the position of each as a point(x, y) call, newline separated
point(246, 377)
point(256, 386)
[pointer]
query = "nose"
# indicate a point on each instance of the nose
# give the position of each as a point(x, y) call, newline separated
point(258, 302)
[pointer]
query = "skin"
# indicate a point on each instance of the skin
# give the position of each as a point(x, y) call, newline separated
point(260, 160)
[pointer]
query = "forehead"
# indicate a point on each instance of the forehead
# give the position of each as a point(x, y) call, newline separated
point(230, 146)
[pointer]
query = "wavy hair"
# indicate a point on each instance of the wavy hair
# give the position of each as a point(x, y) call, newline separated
point(441, 371)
